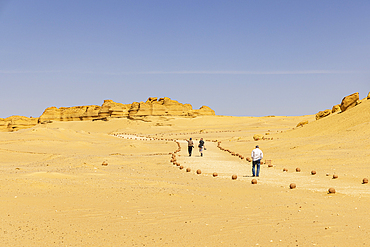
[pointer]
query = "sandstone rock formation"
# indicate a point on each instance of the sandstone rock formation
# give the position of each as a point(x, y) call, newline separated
point(162, 107)
point(300, 124)
point(335, 109)
point(322, 114)
point(257, 137)
point(75, 113)
point(109, 109)
point(349, 102)
point(152, 107)
point(14, 123)
point(203, 111)
point(165, 107)
point(113, 109)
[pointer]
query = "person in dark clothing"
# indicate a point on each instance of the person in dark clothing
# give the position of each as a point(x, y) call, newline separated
point(190, 146)
point(201, 146)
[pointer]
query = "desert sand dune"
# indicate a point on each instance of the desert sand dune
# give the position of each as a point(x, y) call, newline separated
point(56, 191)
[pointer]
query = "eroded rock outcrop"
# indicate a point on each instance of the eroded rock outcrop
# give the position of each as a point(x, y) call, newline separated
point(257, 137)
point(302, 123)
point(109, 109)
point(203, 111)
point(162, 107)
point(15, 123)
point(75, 113)
point(322, 114)
point(152, 107)
point(335, 109)
point(113, 109)
point(165, 107)
point(349, 102)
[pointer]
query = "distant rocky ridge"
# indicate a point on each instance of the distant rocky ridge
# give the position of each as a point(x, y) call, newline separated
point(347, 103)
point(14, 123)
point(110, 109)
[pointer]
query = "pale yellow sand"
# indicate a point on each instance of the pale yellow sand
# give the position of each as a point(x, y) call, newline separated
point(55, 192)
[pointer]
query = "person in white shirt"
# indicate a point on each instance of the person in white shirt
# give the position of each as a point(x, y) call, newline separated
point(257, 155)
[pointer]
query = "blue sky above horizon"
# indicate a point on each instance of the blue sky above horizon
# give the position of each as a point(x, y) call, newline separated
point(241, 58)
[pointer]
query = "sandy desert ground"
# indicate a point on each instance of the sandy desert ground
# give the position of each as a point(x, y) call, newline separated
point(56, 192)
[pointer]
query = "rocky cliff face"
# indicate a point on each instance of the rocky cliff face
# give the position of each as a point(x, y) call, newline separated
point(83, 113)
point(165, 107)
point(14, 123)
point(152, 107)
point(76, 113)
point(113, 109)
point(109, 109)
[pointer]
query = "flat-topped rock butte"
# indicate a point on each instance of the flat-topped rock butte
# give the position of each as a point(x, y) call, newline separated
point(116, 175)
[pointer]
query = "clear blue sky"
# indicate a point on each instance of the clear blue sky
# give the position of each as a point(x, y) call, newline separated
point(241, 58)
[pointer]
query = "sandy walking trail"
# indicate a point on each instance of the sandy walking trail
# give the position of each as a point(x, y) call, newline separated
point(226, 165)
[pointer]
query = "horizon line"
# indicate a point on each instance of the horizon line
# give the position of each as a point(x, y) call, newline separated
point(236, 72)
point(193, 72)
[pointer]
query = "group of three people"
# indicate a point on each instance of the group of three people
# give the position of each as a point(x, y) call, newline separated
point(257, 155)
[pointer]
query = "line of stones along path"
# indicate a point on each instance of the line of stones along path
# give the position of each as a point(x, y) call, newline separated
point(226, 165)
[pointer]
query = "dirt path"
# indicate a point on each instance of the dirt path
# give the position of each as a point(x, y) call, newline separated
point(214, 160)
point(226, 165)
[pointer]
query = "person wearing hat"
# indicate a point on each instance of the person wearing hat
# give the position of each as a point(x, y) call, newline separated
point(190, 146)
point(257, 155)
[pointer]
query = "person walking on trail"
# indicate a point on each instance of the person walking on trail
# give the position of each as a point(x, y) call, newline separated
point(201, 147)
point(257, 155)
point(190, 146)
